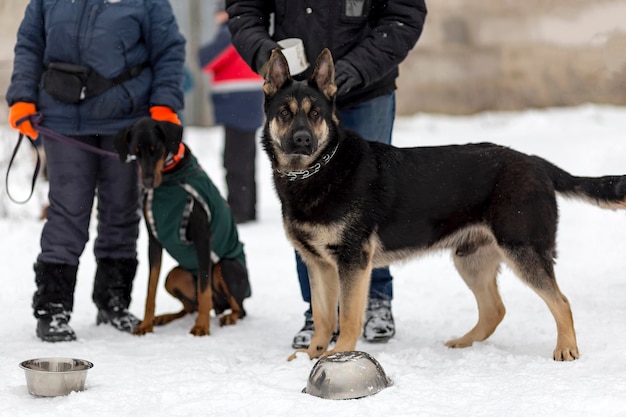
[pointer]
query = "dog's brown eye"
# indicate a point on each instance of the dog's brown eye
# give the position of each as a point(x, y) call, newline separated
point(285, 113)
point(314, 113)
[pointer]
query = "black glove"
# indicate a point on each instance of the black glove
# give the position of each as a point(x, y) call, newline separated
point(263, 55)
point(346, 77)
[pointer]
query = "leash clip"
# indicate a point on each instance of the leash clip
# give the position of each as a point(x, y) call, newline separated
point(130, 158)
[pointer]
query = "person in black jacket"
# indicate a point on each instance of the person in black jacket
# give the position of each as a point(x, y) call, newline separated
point(91, 68)
point(368, 39)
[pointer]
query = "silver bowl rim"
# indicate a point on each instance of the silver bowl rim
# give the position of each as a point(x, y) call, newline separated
point(87, 364)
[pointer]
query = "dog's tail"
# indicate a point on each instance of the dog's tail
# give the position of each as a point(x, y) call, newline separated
point(606, 192)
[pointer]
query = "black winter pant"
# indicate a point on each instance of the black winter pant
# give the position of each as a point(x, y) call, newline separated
point(76, 177)
point(240, 165)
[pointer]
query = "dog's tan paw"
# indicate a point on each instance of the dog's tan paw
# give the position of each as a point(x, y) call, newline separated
point(317, 351)
point(143, 329)
point(565, 354)
point(200, 331)
point(312, 352)
point(461, 342)
point(229, 319)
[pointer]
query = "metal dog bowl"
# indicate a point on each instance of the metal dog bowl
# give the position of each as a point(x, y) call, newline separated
point(52, 377)
point(346, 375)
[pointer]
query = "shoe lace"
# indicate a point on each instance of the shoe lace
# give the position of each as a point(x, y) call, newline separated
point(59, 322)
point(308, 321)
point(123, 317)
point(309, 326)
point(378, 313)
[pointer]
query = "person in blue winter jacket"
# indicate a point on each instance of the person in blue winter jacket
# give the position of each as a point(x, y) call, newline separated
point(237, 98)
point(91, 68)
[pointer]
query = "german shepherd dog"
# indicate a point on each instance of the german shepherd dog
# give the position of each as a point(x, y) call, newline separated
point(349, 205)
point(181, 205)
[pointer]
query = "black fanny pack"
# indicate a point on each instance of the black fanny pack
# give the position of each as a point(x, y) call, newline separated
point(73, 83)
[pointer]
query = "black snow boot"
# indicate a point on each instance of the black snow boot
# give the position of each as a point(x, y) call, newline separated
point(111, 293)
point(53, 301)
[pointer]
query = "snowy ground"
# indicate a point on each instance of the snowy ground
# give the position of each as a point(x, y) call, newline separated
point(242, 370)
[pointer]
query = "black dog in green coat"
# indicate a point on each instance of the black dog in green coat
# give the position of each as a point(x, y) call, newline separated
point(185, 215)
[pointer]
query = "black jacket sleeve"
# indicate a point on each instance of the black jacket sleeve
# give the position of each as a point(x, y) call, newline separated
point(395, 32)
point(249, 27)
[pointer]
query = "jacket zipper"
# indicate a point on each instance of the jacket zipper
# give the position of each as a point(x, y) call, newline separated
point(79, 39)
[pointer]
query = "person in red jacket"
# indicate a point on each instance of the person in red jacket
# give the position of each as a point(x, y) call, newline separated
point(237, 98)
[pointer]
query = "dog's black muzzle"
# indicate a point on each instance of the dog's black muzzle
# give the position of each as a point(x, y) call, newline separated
point(147, 173)
point(301, 143)
point(147, 181)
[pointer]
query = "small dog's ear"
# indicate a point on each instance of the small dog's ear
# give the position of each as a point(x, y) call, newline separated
point(121, 141)
point(277, 73)
point(324, 74)
point(172, 135)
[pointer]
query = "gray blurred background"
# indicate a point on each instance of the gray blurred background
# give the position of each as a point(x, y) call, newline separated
point(473, 55)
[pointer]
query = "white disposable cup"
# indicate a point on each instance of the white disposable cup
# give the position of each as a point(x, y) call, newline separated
point(293, 50)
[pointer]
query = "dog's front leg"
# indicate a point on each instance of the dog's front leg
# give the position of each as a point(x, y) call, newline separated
point(155, 253)
point(354, 286)
point(324, 298)
point(199, 232)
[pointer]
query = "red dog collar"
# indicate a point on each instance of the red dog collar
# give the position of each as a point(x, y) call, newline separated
point(172, 160)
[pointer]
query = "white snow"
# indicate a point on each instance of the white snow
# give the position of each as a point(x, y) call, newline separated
point(243, 371)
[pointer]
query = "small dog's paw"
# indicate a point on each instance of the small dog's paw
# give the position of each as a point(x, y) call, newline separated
point(142, 330)
point(229, 319)
point(200, 331)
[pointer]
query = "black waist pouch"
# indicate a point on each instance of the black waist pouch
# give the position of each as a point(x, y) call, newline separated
point(73, 83)
point(66, 82)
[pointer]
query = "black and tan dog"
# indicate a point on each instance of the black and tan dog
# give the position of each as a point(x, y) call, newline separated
point(349, 205)
point(186, 215)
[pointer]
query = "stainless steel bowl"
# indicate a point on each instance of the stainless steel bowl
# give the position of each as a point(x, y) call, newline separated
point(346, 375)
point(52, 377)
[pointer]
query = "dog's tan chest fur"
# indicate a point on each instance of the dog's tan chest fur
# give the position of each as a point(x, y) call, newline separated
point(321, 238)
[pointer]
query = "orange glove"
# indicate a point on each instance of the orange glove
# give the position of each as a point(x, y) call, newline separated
point(164, 114)
point(18, 111)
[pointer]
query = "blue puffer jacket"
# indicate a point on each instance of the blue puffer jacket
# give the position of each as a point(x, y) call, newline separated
point(111, 37)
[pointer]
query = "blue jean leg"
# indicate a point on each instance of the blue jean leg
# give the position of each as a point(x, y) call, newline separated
point(373, 120)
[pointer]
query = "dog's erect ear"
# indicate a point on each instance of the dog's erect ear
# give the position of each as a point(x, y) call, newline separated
point(324, 74)
point(121, 141)
point(277, 74)
point(172, 134)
